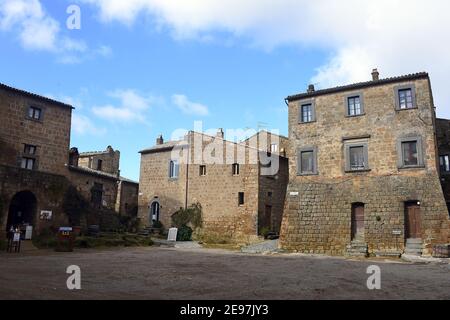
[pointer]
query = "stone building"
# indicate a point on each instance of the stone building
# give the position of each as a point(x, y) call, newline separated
point(241, 188)
point(364, 174)
point(443, 139)
point(35, 169)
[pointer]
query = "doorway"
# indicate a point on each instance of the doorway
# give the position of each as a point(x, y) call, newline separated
point(357, 227)
point(22, 210)
point(413, 220)
point(154, 212)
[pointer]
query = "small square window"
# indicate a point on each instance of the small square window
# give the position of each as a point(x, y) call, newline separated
point(35, 113)
point(356, 156)
point(405, 99)
point(29, 150)
point(354, 106)
point(99, 165)
point(236, 169)
point(202, 170)
point(174, 169)
point(241, 199)
point(306, 111)
point(444, 164)
point(410, 154)
point(307, 161)
point(28, 163)
point(273, 147)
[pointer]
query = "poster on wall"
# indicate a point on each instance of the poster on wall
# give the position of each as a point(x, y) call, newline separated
point(46, 215)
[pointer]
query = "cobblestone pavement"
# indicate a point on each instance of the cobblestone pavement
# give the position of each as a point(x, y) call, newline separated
point(169, 273)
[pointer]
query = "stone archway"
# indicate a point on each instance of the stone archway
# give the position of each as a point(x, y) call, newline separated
point(22, 209)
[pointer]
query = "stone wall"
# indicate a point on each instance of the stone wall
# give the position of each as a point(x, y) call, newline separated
point(127, 198)
point(51, 134)
point(48, 189)
point(443, 140)
point(317, 219)
point(110, 160)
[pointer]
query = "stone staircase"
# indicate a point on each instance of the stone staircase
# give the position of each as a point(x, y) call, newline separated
point(414, 247)
point(147, 231)
point(357, 248)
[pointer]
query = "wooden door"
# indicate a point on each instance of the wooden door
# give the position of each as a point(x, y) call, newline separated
point(357, 221)
point(413, 228)
point(268, 217)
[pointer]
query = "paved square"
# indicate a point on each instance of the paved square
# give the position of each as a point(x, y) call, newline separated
point(158, 273)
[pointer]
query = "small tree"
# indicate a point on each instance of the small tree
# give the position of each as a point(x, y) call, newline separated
point(184, 217)
point(74, 205)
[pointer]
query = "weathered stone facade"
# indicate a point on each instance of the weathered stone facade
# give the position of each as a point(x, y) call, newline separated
point(318, 210)
point(217, 188)
point(443, 139)
point(36, 167)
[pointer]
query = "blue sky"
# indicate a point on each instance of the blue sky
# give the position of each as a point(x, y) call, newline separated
point(139, 68)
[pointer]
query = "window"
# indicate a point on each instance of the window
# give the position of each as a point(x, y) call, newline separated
point(28, 163)
point(306, 113)
point(269, 194)
point(444, 164)
point(405, 97)
point(236, 169)
point(29, 150)
point(97, 194)
point(356, 156)
point(273, 147)
point(35, 113)
point(354, 106)
point(99, 165)
point(307, 161)
point(174, 169)
point(410, 152)
point(202, 170)
point(410, 155)
point(241, 199)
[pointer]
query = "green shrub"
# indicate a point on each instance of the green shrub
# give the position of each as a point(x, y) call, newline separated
point(74, 205)
point(157, 225)
point(264, 232)
point(184, 233)
point(46, 239)
point(190, 216)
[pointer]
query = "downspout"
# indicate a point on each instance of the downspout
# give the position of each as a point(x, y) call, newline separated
point(187, 175)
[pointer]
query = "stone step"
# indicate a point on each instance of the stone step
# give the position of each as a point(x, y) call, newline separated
point(414, 241)
point(413, 252)
point(414, 246)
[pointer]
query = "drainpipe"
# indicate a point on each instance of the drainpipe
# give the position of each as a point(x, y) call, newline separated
point(187, 173)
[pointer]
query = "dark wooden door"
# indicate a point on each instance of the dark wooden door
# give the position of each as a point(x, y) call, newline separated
point(357, 221)
point(413, 222)
point(268, 217)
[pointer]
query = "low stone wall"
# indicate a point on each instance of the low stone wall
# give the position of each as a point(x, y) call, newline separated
point(318, 219)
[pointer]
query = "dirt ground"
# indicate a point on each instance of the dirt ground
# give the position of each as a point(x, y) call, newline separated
point(158, 273)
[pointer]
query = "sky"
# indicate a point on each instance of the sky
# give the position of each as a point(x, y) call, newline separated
point(139, 68)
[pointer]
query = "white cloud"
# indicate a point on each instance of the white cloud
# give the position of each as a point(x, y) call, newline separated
point(83, 125)
point(189, 107)
point(397, 36)
point(37, 30)
point(133, 107)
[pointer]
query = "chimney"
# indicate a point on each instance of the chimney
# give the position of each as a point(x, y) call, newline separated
point(73, 157)
point(159, 140)
point(311, 88)
point(220, 133)
point(375, 75)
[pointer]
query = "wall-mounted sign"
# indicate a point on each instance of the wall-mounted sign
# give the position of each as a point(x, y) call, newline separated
point(293, 194)
point(46, 215)
point(397, 232)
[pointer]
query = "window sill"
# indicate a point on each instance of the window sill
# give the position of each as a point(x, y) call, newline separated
point(355, 116)
point(309, 122)
point(413, 108)
point(307, 174)
point(173, 179)
point(34, 120)
point(358, 171)
point(411, 167)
